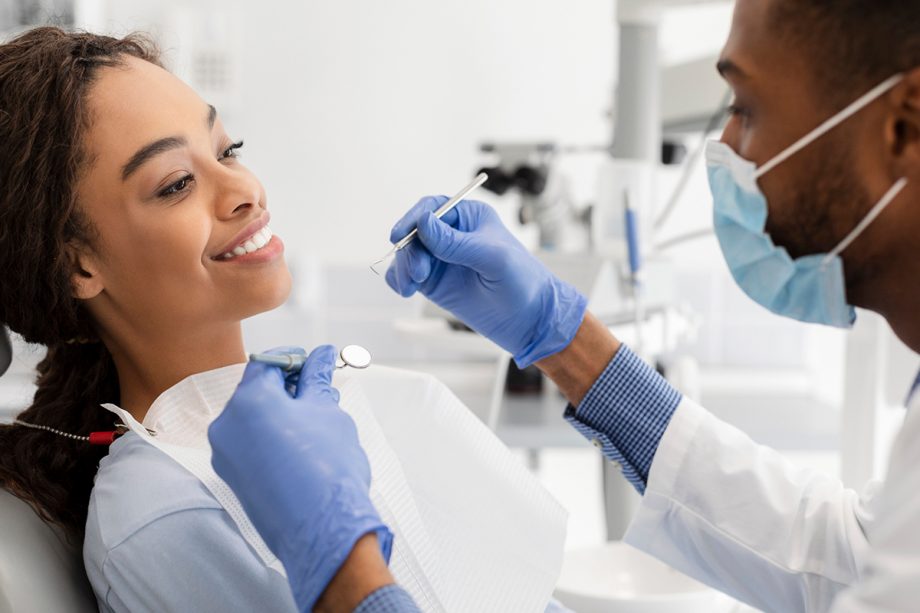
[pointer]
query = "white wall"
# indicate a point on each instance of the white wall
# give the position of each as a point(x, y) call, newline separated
point(353, 109)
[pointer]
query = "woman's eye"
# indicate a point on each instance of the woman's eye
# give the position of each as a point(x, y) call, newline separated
point(178, 187)
point(231, 151)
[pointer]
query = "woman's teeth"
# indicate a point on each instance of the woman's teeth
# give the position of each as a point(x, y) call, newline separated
point(253, 243)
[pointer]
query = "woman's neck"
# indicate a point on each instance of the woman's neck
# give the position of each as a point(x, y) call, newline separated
point(148, 367)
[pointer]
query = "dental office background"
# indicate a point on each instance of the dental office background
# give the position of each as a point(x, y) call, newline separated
point(353, 109)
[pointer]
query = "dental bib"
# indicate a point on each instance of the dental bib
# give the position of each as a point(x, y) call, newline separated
point(474, 530)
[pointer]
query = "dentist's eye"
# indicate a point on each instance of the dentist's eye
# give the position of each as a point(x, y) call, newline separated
point(232, 151)
point(178, 187)
point(734, 109)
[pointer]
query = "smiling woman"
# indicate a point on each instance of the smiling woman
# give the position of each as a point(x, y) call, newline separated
point(167, 196)
point(132, 244)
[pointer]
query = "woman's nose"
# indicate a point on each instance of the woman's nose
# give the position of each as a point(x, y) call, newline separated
point(239, 192)
point(240, 208)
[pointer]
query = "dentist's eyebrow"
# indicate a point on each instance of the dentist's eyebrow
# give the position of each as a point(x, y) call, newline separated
point(147, 152)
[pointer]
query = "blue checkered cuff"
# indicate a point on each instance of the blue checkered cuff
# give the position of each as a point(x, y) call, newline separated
point(389, 599)
point(625, 414)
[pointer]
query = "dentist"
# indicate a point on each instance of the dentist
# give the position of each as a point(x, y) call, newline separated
point(816, 187)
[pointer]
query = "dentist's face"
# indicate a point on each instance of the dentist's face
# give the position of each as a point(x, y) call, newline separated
point(818, 196)
point(173, 209)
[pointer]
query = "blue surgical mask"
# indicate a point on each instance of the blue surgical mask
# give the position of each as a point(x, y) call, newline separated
point(811, 288)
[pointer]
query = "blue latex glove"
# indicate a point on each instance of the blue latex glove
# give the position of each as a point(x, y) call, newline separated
point(292, 457)
point(469, 264)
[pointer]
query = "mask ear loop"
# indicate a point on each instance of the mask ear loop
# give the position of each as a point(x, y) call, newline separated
point(831, 123)
point(877, 210)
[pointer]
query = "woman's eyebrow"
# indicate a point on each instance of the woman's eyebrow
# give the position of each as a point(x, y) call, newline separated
point(147, 152)
point(162, 145)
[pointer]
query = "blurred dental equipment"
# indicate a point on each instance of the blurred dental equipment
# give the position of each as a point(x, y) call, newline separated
point(635, 262)
point(354, 356)
point(441, 212)
point(531, 171)
point(604, 243)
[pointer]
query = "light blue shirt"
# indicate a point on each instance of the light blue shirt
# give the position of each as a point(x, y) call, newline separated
point(157, 540)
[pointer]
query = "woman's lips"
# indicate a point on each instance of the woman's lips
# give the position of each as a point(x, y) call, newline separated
point(249, 244)
point(246, 233)
point(272, 249)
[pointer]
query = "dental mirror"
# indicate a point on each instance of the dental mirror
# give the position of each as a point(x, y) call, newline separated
point(355, 356)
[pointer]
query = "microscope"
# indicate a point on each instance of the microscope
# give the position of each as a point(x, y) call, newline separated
point(529, 170)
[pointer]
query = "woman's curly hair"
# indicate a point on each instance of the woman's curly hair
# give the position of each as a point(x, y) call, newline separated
point(45, 75)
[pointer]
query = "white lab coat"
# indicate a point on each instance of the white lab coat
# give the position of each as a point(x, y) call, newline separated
point(743, 519)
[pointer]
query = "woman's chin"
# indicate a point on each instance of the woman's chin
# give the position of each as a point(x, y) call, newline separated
point(269, 295)
point(281, 290)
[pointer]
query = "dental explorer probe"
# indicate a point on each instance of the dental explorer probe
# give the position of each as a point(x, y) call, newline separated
point(441, 212)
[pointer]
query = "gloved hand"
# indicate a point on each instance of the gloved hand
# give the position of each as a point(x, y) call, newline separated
point(292, 457)
point(469, 264)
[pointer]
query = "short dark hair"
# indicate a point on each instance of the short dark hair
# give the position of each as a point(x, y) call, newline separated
point(852, 44)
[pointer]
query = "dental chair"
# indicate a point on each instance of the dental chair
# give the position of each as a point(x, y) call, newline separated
point(39, 573)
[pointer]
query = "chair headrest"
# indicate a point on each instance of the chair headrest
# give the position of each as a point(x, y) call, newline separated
point(6, 350)
point(38, 570)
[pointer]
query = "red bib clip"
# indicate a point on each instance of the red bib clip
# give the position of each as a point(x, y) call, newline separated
point(102, 438)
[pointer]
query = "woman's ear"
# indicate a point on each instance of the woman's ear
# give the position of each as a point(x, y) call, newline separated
point(85, 278)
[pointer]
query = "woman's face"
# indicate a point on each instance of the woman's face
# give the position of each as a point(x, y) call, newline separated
point(181, 224)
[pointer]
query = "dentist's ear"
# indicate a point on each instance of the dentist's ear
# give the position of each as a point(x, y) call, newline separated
point(904, 131)
point(85, 278)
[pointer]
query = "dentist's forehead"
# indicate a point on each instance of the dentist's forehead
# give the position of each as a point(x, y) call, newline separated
point(772, 72)
point(753, 50)
point(844, 47)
